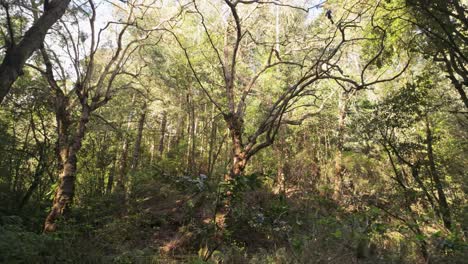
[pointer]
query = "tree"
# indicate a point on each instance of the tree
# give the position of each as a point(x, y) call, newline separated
point(445, 26)
point(97, 79)
point(17, 54)
point(440, 28)
point(286, 78)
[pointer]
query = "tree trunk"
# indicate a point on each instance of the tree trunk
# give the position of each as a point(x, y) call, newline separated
point(212, 141)
point(461, 91)
point(339, 169)
point(122, 170)
point(180, 131)
point(17, 55)
point(110, 179)
point(163, 133)
point(137, 147)
point(68, 158)
point(193, 134)
point(443, 204)
point(102, 164)
point(238, 165)
point(239, 162)
point(41, 166)
point(40, 169)
point(280, 181)
point(239, 157)
point(36, 180)
point(64, 193)
point(17, 178)
point(151, 158)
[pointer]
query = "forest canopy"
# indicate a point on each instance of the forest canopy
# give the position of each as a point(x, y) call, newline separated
point(233, 131)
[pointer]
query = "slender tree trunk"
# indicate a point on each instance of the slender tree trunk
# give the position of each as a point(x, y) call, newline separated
point(461, 91)
point(216, 154)
point(152, 147)
point(443, 204)
point(122, 170)
point(17, 175)
point(339, 169)
point(180, 131)
point(212, 143)
point(40, 168)
point(415, 175)
point(36, 180)
point(110, 179)
point(193, 133)
point(203, 125)
point(189, 143)
point(11, 156)
point(280, 181)
point(163, 133)
point(137, 147)
point(422, 243)
point(102, 164)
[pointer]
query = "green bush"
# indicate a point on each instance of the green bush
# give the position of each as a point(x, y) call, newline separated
point(20, 246)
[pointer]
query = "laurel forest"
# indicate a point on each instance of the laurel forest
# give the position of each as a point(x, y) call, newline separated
point(233, 131)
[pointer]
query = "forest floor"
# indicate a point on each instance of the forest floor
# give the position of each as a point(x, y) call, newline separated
point(171, 221)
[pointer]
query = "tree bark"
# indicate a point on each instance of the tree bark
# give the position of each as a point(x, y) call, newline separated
point(461, 91)
point(239, 161)
point(70, 142)
point(110, 179)
point(239, 157)
point(163, 133)
point(191, 130)
point(102, 163)
point(68, 150)
point(443, 204)
point(17, 55)
point(36, 180)
point(41, 166)
point(137, 147)
point(211, 143)
point(339, 169)
point(193, 134)
point(280, 181)
point(122, 170)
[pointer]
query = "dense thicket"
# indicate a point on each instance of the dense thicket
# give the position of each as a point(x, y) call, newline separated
point(233, 131)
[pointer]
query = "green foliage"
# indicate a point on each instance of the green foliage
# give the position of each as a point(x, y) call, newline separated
point(155, 201)
point(20, 246)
